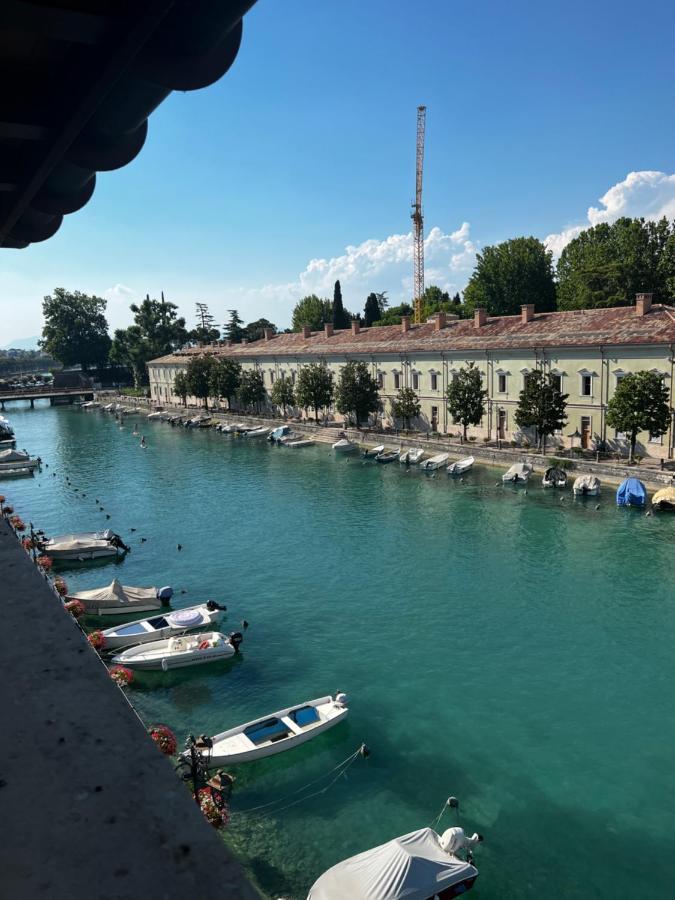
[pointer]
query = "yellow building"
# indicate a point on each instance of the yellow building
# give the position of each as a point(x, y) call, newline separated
point(588, 350)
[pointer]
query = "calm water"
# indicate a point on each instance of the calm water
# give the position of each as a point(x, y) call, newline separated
point(505, 647)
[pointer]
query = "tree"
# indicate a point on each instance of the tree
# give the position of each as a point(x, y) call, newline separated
point(340, 318)
point(157, 331)
point(394, 314)
point(406, 406)
point(205, 331)
point(313, 312)
point(357, 392)
point(541, 406)
point(282, 393)
point(225, 379)
point(314, 387)
point(254, 331)
point(466, 397)
point(252, 388)
point(75, 329)
point(180, 387)
point(640, 403)
point(232, 329)
point(510, 274)
point(375, 307)
point(198, 377)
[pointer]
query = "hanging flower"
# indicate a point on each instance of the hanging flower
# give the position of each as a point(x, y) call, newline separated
point(164, 737)
point(60, 586)
point(17, 523)
point(27, 543)
point(213, 806)
point(2, 499)
point(96, 640)
point(76, 609)
point(45, 563)
point(121, 675)
point(7, 510)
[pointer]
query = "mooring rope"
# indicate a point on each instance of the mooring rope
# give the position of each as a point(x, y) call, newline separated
point(438, 818)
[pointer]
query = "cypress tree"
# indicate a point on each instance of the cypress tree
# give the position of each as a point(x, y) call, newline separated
point(340, 318)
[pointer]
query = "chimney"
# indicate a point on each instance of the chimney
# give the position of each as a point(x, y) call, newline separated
point(479, 317)
point(356, 326)
point(439, 321)
point(328, 328)
point(643, 303)
point(405, 324)
point(306, 331)
point(269, 333)
point(526, 312)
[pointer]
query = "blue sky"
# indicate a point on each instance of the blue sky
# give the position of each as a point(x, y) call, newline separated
point(298, 166)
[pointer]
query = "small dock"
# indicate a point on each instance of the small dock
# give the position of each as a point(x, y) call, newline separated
point(54, 395)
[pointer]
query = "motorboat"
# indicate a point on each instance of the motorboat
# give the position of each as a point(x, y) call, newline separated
point(90, 404)
point(664, 499)
point(202, 421)
point(586, 486)
point(16, 459)
point(117, 599)
point(154, 415)
point(344, 445)
point(298, 445)
point(178, 652)
point(182, 621)
point(278, 434)
point(7, 442)
point(461, 465)
point(16, 473)
point(418, 866)
point(260, 432)
point(277, 732)
point(386, 456)
point(411, 457)
point(6, 430)
point(554, 477)
point(519, 473)
point(434, 462)
point(631, 492)
point(373, 452)
point(84, 545)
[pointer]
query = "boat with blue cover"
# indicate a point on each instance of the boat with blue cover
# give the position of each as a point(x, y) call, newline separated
point(631, 492)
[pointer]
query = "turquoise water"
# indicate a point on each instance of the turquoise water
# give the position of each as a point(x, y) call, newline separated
point(502, 646)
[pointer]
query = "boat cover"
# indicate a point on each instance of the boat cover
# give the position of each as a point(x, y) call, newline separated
point(185, 617)
point(555, 474)
point(518, 470)
point(665, 497)
point(414, 867)
point(85, 540)
point(115, 595)
point(586, 484)
point(13, 456)
point(631, 492)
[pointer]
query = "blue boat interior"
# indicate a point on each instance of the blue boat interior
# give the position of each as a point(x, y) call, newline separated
point(131, 628)
point(269, 730)
point(305, 715)
point(158, 622)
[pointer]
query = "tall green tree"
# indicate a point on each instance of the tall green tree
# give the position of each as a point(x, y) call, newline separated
point(205, 331)
point(75, 329)
point(255, 331)
point(198, 377)
point(357, 392)
point(512, 273)
point(282, 394)
point(375, 307)
point(225, 379)
point(313, 312)
point(314, 387)
point(252, 388)
point(466, 397)
point(640, 403)
point(232, 329)
point(393, 315)
point(541, 406)
point(180, 387)
point(157, 331)
point(341, 318)
point(406, 406)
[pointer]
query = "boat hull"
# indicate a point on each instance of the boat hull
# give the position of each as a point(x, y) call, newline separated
point(176, 661)
point(58, 555)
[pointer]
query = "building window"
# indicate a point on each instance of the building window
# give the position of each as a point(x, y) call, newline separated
point(397, 380)
point(501, 384)
point(380, 380)
point(655, 438)
point(271, 377)
point(586, 385)
point(556, 381)
point(434, 381)
point(415, 380)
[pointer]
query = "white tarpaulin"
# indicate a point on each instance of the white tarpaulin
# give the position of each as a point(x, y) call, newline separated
point(414, 867)
point(116, 595)
point(85, 540)
point(13, 456)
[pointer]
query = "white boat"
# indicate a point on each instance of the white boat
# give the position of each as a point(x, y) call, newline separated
point(411, 456)
point(165, 626)
point(178, 652)
point(85, 545)
point(154, 415)
point(519, 473)
point(386, 456)
point(275, 733)
point(372, 452)
point(554, 477)
point(16, 459)
point(90, 404)
point(434, 462)
point(461, 465)
point(421, 865)
point(344, 445)
point(6, 430)
point(16, 473)
point(117, 599)
point(257, 432)
point(298, 445)
point(587, 486)
point(202, 421)
point(277, 435)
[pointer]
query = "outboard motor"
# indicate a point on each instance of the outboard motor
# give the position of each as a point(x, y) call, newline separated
point(165, 594)
point(341, 699)
point(454, 839)
point(212, 606)
point(235, 639)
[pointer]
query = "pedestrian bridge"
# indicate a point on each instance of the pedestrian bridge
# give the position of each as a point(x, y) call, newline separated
point(55, 395)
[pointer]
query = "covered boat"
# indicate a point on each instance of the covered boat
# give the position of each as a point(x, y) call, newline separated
point(117, 599)
point(386, 456)
point(16, 473)
point(278, 434)
point(434, 462)
point(411, 456)
point(631, 492)
point(298, 445)
point(417, 866)
point(554, 477)
point(84, 545)
point(179, 652)
point(6, 430)
point(519, 473)
point(161, 627)
point(275, 733)
point(372, 452)
point(344, 445)
point(664, 499)
point(461, 465)
point(17, 459)
point(257, 432)
point(587, 486)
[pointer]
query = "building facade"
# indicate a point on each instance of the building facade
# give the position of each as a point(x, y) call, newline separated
point(589, 351)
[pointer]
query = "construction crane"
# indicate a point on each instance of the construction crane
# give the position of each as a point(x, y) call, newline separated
point(418, 220)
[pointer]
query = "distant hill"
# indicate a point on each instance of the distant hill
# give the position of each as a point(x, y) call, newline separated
point(29, 343)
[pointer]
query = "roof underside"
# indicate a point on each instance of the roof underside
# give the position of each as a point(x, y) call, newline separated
point(81, 79)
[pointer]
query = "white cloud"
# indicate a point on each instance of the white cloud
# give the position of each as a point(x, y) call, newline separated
point(650, 195)
point(120, 292)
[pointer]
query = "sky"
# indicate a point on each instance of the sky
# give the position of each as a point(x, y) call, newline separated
point(298, 166)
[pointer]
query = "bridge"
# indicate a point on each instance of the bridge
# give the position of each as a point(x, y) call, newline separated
point(55, 395)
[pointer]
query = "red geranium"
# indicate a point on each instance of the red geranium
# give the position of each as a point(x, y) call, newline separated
point(60, 587)
point(214, 807)
point(75, 608)
point(96, 640)
point(121, 675)
point(164, 737)
point(45, 562)
point(17, 523)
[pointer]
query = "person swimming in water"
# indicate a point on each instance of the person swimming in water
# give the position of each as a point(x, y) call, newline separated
point(143, 444)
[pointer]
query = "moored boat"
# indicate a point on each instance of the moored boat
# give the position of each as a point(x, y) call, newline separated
point(84, 545)
point(278, 434)
point(179, 652)
point(372, 452)
point(434, 462)
point(386, 456)
point(411, 456)
point(461, 465)
point(17, 459)
point(554, 477)
point(260, 432)
point(277, 732)
point(664, 499)
point(344, 445)
point(631, 492)
point(164, 626)
point(154, 415)
point(518, 473)
point(117, 599)
point(6, 430)
point(586, 486)
point(21, 472)
point(298, 445)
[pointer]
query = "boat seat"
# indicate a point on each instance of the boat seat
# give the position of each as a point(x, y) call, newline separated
point(304, 716)
point(270, 730)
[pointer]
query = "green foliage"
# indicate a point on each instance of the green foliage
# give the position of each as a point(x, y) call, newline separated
point(541, 406)
point(640, 403)
point(205, 332)
point(180, 386)
point(255, 331)
point(509, 274)
point(608, 264)
point(374, 308)
point(232, 330)
point(314, 387)
point(198, 377)
point(252, 388)
point(75, 329)
point(313, 312)
point(466, 397)
point(225, 379)
point(405, 406)
point(157, 331)
point(393, 315)
point(357, 392)
point(282, 394)
point(341, 318)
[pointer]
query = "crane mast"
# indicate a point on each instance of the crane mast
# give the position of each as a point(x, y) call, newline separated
point(418, 220)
